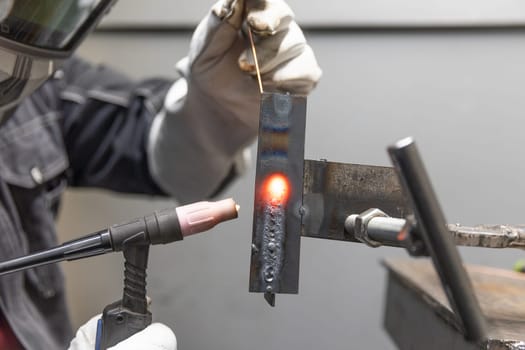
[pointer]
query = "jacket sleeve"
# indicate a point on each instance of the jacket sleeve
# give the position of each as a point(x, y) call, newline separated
point(106, 122)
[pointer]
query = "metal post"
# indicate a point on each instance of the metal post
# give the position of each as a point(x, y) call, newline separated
point(432, 224)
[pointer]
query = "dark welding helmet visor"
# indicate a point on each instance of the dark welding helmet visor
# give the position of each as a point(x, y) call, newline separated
point(36, 36)
point(48, 27)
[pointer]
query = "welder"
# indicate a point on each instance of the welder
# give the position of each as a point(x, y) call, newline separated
point(67, 122)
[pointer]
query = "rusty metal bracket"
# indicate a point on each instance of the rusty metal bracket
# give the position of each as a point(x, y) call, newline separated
point(332, 191)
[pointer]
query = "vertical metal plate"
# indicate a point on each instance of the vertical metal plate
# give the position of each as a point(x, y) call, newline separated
point(277, 226)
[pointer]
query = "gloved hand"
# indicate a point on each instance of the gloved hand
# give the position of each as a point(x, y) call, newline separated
point(155, 337)
point(212, 113)
point(286, 62)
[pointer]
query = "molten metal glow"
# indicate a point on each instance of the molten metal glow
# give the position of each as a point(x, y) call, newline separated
point(277, 188)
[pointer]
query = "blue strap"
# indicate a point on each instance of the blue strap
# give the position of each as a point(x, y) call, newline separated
point(98, 338)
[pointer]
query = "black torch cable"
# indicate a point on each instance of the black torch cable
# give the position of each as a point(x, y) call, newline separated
point(95, 244)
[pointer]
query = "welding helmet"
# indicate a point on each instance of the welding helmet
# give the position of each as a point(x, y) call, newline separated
point(36, 36)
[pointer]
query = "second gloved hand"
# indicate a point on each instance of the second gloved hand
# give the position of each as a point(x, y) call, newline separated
point(155, 337)
point(211, 114)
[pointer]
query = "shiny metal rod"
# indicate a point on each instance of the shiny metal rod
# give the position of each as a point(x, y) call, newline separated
point(383, 230)
point(386, 230)
point(432, 225)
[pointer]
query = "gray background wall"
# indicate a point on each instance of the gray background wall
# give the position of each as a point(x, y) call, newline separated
point(336, 12)
point(460, 93)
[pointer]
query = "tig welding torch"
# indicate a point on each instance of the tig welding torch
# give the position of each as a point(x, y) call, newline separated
point(130, 315)
point(163, 226)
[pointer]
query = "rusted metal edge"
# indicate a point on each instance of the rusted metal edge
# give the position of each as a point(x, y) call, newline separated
point(489, 236)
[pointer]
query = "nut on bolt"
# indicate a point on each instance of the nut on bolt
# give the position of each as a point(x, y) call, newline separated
point(358, 225)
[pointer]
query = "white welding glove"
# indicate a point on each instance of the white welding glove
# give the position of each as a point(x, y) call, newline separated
point(211, 115)
point(155, 337)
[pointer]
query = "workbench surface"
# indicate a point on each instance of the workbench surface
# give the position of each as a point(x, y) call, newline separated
point(417, 307)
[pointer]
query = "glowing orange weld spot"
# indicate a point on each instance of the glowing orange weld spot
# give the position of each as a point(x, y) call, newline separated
point(402, 235)
point(277, 188)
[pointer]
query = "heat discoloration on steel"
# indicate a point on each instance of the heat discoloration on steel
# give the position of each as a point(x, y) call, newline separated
point(332, 191)
point(277, 226)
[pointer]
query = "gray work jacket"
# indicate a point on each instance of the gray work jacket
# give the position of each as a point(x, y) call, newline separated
point(86, 126)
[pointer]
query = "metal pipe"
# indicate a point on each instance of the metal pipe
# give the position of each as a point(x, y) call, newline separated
point(385, 230)
point(434, 232)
